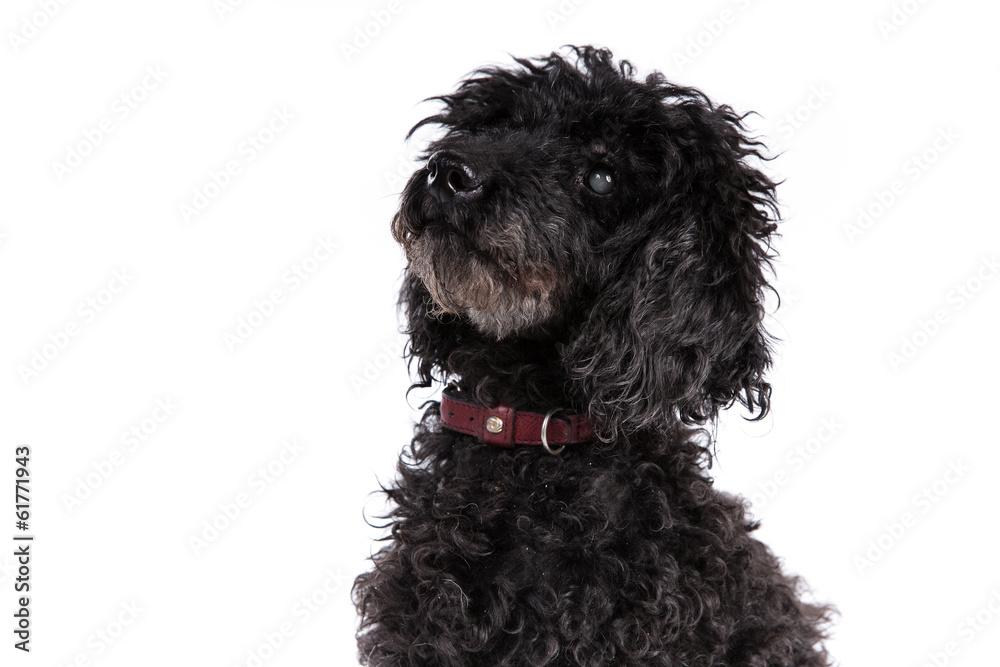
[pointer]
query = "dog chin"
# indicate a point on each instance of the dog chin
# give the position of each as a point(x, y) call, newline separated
point(471, 286)
point(525, 316)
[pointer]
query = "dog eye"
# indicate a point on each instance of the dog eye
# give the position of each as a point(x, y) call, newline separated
point(600, 180)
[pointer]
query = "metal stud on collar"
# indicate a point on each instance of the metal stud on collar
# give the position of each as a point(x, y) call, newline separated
point(545, 427)
point(494, 424)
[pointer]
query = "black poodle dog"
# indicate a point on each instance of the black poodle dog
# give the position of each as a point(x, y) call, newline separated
point(587, 255)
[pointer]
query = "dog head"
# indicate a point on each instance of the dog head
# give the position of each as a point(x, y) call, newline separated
point(621, 220)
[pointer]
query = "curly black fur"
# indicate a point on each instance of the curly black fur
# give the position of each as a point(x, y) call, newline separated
point(641, 307)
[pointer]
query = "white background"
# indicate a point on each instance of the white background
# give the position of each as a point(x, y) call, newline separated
point(847, 98)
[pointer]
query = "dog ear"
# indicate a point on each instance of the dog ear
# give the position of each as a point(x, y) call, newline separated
point(676, 332)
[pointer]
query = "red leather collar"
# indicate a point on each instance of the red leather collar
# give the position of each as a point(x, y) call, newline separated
point(502, 426)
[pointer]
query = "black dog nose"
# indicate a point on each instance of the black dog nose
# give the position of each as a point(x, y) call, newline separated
point(448, 176)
